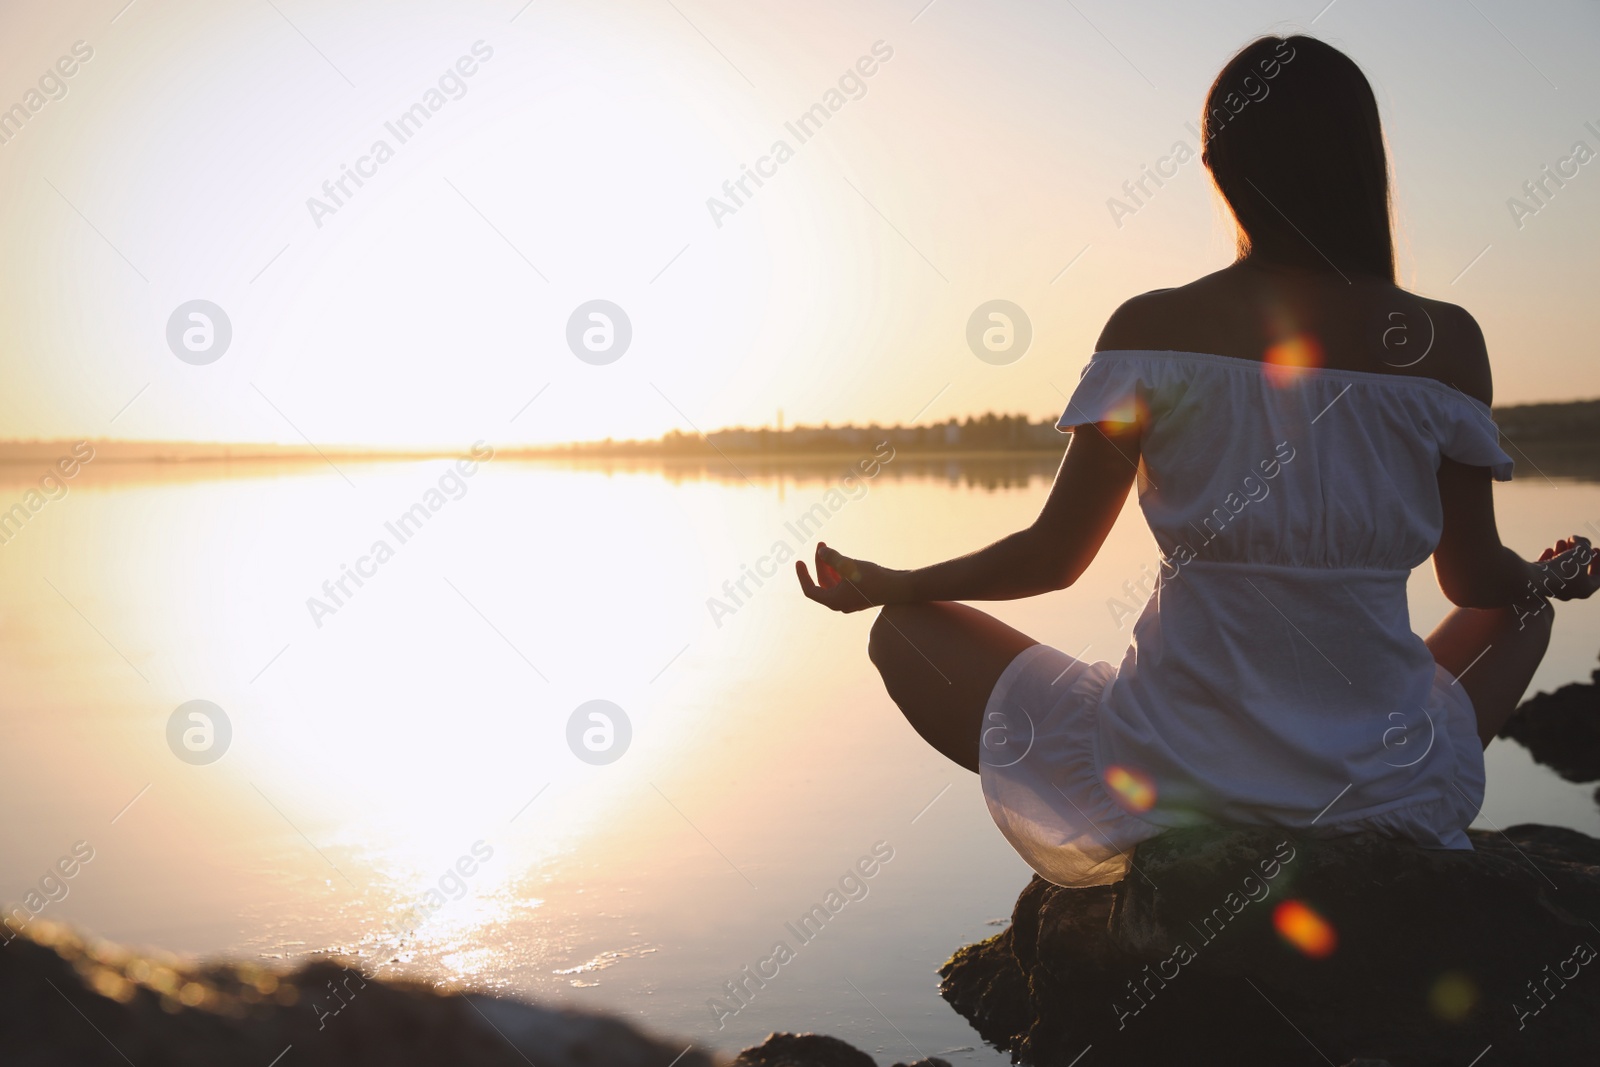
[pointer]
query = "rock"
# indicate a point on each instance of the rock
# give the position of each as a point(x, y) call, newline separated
point(67, 1001)
point(814, 1050)
point(803, 1050)
point(73, 1002)
point(1562, 730)
point(1406, 955)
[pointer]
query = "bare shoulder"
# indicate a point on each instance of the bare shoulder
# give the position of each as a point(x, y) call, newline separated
point(1126, 326)
point(1145, 321)
point(1457, 354)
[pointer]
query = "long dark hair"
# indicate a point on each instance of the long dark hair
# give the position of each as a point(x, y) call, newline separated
point(1292, 138)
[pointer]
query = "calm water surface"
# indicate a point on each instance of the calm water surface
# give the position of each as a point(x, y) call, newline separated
point(423, 718)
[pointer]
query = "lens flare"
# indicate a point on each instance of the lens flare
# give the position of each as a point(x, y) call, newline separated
point(1135, 790)
point(1305, 929)
point(1121, 414)
point(1128, 413)
point(1288, 361)
point(1453, 996)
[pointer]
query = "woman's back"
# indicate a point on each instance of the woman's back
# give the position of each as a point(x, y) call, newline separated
point(1290, 480)
point(1242, 371)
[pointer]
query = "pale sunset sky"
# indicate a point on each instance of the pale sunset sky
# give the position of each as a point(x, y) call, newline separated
point(430, 304)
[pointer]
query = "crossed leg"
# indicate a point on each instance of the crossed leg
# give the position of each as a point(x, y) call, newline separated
point(940, 662)
point(1493, 655)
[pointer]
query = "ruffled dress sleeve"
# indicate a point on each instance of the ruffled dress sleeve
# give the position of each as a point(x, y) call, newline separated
point(1468, 434)
point(1111, 391)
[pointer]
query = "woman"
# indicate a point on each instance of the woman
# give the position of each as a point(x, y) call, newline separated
point(1304, 433)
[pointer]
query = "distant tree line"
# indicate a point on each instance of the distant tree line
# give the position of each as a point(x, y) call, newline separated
point(1572, 421)
point(1571, 427)
point(983, 433)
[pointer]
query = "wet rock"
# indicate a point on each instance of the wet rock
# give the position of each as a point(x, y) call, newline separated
point(1387, 951)
point(66, 1001)
point(814, 1050)
point(803, 1050)
point(1562, 730)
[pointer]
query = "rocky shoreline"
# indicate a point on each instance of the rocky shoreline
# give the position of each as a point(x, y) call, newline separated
point(1238, 946)
point(66, 1001)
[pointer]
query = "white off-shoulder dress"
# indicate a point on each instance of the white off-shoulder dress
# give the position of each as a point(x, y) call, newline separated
point(1274, 677)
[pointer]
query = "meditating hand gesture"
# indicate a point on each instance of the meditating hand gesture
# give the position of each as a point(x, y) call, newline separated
point(846, 584)
point(1571, 569)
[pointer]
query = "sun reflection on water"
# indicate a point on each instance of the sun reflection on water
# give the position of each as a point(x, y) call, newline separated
point(428, 715)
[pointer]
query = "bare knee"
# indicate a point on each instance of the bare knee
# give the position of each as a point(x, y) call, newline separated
point(1539, 625)
point(900, 646)
point(1511, 654)
point(887, 637)
point(1530, 630)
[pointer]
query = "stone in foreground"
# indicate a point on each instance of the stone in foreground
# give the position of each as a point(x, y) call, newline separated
point(814, 1050)
point(74, 1003)
point(70, 1002)
point(1253, 946)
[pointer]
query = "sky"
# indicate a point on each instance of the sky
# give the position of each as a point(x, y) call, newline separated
point(448, 297)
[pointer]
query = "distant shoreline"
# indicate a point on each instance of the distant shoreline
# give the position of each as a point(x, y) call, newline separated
point(1569, 426)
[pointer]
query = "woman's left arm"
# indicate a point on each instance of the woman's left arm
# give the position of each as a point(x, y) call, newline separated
point(1088, 494)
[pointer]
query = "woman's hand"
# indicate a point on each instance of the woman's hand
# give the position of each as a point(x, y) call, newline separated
point(847, 584)
point(1570, 570)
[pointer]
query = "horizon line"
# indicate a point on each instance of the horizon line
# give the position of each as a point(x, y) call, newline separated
point(267, 449)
